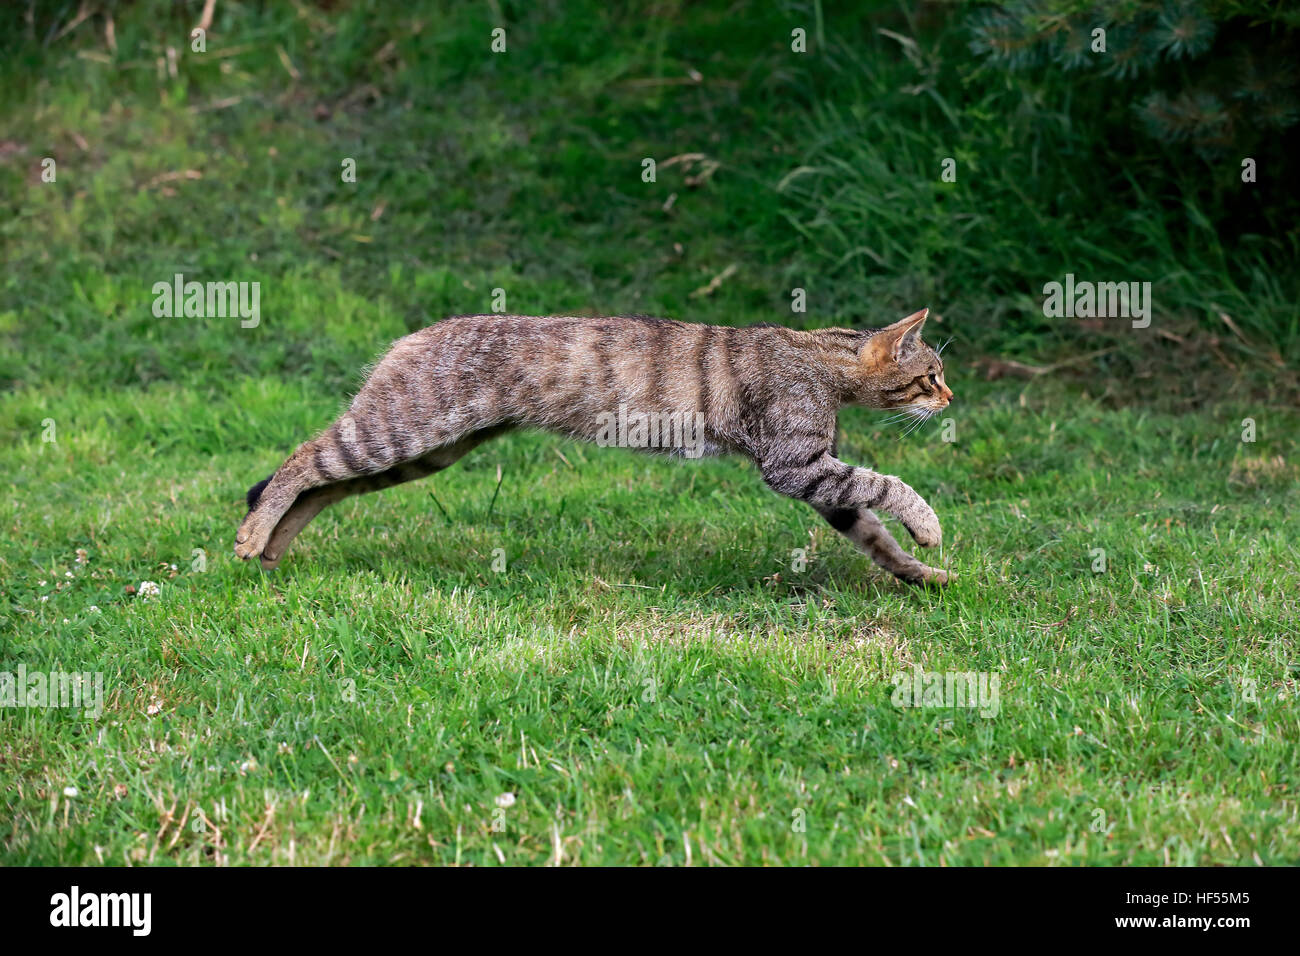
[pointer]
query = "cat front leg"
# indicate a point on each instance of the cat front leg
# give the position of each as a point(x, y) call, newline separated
point(826, 482)
point(865, 530)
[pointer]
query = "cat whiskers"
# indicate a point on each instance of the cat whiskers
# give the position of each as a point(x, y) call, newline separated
point(905, 412)
point(912, 417)
point(921, 419)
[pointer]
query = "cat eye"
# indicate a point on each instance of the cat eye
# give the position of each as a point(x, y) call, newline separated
point(934, 379)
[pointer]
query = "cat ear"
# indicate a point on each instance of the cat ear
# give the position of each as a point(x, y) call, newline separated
point(911, 331)
point(889, 344)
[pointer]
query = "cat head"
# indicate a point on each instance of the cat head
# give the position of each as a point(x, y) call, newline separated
point(897, 370)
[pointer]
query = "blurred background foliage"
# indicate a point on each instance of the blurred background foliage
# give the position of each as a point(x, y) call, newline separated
point(1219, 77)
point(820, 170)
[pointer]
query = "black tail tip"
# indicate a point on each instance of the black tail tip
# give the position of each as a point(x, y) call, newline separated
point(255, 492)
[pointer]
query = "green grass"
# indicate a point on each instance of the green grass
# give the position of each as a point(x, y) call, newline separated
point(649, 675)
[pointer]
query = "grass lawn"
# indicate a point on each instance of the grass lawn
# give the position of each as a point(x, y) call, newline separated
point(559, 653)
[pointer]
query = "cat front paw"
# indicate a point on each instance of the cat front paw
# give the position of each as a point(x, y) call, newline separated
point(923, 525)
point(245, 550)
point(252, 537)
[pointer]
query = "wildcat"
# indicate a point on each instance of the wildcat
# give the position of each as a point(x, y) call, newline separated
point(766, 392)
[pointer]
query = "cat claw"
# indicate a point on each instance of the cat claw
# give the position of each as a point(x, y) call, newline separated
point(928, 575)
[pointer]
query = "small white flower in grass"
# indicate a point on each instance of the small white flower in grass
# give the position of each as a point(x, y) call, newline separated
point(506, 799)
point(149, 589)
point(67, 574)
point(155, 707)
point(44, 598)
point(93, 609)
point(70, 791)
point(82, 556)
point(42, 583)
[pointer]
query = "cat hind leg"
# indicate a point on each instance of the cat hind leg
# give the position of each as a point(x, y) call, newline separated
point(311, 503)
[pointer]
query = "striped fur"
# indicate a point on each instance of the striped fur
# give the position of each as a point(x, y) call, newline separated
point(766, 392)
